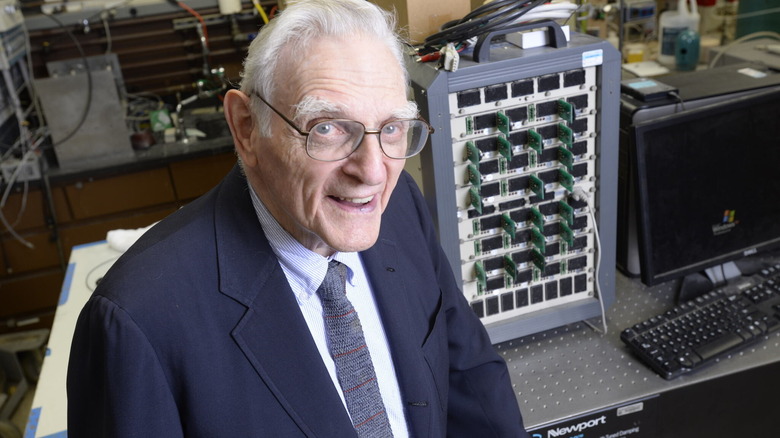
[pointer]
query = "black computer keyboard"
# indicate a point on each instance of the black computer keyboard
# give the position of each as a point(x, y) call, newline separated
point(695, 333)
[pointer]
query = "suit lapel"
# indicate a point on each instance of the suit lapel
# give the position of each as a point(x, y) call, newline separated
point(272, 334)
point(387, 275)
point(276, 340)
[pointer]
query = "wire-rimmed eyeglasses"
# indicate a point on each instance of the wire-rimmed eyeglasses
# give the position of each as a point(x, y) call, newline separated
point(337, 139)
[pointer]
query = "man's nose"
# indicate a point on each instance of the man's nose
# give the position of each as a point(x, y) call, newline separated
point(367, 162)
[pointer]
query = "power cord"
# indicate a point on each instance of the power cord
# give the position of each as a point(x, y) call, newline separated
point(204, 33)
point(579, 195)
point(484, 19)
point(27, 146)
point(260, 10)
point(742, 39)
point(10, 183)
point(679, 98)
point(88, 71)
point(104, 17)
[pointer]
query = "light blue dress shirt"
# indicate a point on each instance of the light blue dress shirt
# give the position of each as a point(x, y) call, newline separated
point(305, 271)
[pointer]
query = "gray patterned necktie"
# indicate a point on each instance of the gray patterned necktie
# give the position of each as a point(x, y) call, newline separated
point(347, 346)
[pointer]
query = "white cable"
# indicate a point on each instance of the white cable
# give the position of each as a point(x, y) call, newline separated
point(10, 183)
point(742, 39)
point(756, 13)
point(26, 147)
point(561, 6)
point(23, 206)
point(549, 11)
point(580, 195)
point(107, 29)
point(598, 268)
point(543, 15)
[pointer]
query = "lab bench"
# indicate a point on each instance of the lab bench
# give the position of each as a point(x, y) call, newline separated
point(572, 381)
point(86, 202)
point(579, 382)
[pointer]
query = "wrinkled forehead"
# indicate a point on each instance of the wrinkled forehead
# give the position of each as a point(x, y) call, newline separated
point(358, 64)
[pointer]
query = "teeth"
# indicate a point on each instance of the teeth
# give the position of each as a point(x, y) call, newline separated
point(358, 200)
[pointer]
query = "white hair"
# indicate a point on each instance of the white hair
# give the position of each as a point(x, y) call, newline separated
point(311, 106)
point(301, 23)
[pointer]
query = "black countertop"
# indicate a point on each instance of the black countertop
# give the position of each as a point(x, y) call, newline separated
point(155, 156)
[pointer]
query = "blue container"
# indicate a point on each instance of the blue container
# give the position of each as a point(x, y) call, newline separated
point(686, 50)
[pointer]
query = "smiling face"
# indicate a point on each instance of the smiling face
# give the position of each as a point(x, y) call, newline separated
point(329, 206)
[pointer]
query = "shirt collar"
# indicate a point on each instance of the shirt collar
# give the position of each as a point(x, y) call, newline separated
point(306, 269)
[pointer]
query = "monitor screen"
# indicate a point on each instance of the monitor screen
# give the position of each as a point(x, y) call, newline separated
point(708, 186)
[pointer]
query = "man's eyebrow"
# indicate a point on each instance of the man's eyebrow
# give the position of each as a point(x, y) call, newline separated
point(310, 106)
point(408, 111)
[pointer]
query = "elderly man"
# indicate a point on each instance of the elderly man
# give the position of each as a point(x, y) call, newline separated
point(305, 295)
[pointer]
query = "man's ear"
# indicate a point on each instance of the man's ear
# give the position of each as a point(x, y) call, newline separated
point(238, 113)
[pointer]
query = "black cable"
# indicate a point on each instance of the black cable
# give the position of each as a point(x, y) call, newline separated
point(575, 11)
point(499, 14)
point(88, 278)
point(469, 24)
point(89, 82)
point(113, 7)
point(494, 22)
point(513, 17)
point(52, 211)
point(464, 28)
point(495, 5)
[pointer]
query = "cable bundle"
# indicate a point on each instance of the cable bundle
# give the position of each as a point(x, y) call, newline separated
point(457, 35)
point(486, 18)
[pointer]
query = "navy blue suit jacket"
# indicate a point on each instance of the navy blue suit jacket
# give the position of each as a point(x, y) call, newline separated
point(195, 332)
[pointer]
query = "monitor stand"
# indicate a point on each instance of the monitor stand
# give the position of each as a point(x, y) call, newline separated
point(699, 283)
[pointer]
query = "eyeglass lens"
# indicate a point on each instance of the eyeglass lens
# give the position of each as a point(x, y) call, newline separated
point(336, 139)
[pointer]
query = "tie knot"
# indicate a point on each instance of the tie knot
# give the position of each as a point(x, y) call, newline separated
point(338, 267)
point(333, 286)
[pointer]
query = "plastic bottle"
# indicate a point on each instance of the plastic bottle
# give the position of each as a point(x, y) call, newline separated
point(671, 23)
point(730, 20)
point(711, 21)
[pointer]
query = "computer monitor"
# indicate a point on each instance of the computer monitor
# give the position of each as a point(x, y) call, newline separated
point(708, 185)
